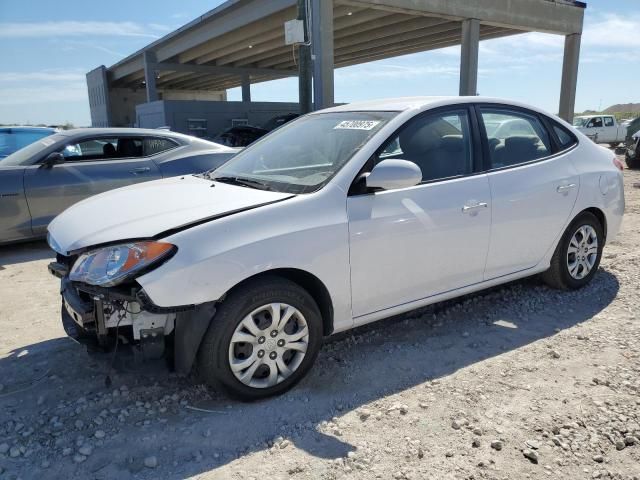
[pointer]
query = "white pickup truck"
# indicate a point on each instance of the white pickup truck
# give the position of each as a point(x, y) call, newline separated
point(601, 128)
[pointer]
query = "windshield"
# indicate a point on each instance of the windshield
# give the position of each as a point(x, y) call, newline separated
point(580, 121)
point(303, 155)
point(25, 156)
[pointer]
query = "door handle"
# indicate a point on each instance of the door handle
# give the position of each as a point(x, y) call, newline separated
point(138, 170)
point(565, 188)
point(475, 206)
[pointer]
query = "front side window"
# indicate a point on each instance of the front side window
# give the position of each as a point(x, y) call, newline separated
point(608, 121)
point(514, 137)
point(438, 143)
point(103, 149)
point(303, 155)
point(595, 122)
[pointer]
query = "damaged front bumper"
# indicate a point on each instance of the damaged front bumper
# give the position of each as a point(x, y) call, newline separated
point(101, 317)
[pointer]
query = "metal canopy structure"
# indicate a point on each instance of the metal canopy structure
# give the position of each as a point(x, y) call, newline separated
point(242, 41)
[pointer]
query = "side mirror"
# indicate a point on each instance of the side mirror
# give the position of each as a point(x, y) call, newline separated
point(54, 158)
point(391, 174)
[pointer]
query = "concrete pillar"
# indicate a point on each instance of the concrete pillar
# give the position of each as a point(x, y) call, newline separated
point(469, 57)
point(322, 52)
point(246, 88)
point(569, 76)
point(150, 61)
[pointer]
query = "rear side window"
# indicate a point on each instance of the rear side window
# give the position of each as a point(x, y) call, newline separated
point(608, 121)
point(153, 146)
point(566, 139)
point(103, 149)
point(514, 137)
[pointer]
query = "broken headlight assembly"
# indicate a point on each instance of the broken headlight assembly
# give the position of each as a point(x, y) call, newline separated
point(112, 265)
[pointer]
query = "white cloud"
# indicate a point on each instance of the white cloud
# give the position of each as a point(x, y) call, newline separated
point(612, 30)
point(77, 29)
point(53, 76)
point(46, 86)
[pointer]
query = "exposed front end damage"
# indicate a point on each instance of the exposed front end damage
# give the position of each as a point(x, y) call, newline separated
point(104, 319)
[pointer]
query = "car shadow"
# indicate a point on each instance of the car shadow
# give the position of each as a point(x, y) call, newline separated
point(24, 252)
point(192, 429)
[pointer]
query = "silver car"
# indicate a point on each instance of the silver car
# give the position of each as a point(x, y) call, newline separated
point(41, 180)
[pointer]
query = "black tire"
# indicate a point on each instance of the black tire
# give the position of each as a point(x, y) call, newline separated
point(558, 275)
point(633, 162)
point(614, 145)
point(213, 355)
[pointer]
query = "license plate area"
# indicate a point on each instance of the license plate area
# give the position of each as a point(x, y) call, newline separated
point(85, 318)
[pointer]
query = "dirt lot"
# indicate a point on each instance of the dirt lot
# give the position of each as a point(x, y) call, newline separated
point(519, 382)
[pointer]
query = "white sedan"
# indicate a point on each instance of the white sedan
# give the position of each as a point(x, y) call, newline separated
point(340, 218)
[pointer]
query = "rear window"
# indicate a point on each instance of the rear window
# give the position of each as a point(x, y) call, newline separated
point(153, 146)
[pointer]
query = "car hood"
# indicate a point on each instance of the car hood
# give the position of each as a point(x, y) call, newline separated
point(151, 208)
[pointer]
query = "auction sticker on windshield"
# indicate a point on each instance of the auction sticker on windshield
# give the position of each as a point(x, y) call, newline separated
point(357, 124)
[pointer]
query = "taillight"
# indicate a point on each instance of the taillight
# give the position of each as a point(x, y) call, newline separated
point(618, 164)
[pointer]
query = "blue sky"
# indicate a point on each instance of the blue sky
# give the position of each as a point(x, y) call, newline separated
point(47, 47)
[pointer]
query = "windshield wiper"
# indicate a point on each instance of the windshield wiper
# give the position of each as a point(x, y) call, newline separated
point(243, 182)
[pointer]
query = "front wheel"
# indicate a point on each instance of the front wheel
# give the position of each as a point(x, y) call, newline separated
point(262, 340)
point(577, 256)
point(633, 162)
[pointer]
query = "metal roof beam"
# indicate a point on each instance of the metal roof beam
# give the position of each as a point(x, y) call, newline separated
point(221, 69)
point(241, 37)
point(415, 47)
point(240, 17)
point(245, 55)
point(528, 15)
point(384, 38)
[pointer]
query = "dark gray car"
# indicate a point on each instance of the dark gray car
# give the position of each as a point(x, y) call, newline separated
point(41, 180)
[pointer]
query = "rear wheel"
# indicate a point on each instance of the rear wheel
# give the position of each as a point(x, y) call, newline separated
point(577, 256)
point(614, 145)
point(263, 339)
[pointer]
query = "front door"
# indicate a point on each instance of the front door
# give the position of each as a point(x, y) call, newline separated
point(595, 129)
point(91, 166)
point(413, 243)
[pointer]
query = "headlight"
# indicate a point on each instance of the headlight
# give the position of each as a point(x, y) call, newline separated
point(110, 266)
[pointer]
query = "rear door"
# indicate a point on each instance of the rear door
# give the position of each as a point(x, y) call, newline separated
point(92, 165)
point(534, 187)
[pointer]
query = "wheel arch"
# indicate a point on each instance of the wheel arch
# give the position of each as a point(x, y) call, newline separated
point(600, 215)
point(306, 280)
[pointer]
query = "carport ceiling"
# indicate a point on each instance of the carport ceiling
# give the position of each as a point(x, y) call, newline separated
point(246, 37)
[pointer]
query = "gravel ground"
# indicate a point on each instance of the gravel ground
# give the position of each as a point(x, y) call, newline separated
point(517, 382)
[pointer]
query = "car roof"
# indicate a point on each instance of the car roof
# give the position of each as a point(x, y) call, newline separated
point(122, 131)
point(418, 103)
